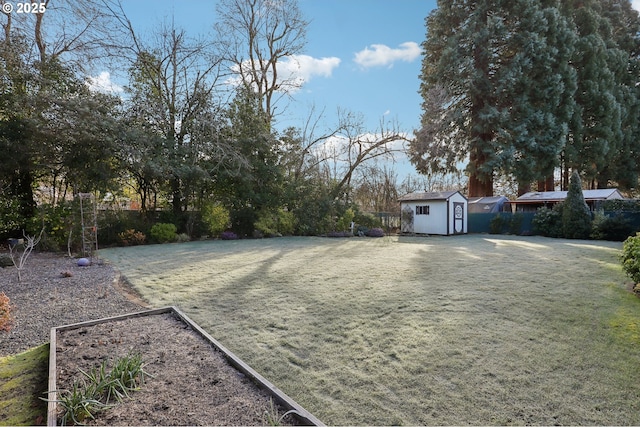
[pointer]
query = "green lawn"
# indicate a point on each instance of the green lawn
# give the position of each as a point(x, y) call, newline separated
point(476, 329)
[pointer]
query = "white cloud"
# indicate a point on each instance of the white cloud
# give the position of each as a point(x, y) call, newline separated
point(379, 55)
point(102, 83)
point(635, 4)
point(294, 71)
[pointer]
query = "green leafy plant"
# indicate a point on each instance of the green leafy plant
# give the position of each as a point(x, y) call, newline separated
point(183, 238)
point(498, 224)
point(216, 218)
point(99, 387)
point(79, 404)
point(548, 222)
point(344, 222)
point(615, 228)
point(275, 222)
point(164, 232)
point(515, 223)
point(129, 372)
point(6, 319)
point(630, 257)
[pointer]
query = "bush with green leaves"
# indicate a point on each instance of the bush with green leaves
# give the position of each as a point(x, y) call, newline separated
point(164, 232)
point(10, 217)
point(615, 228)
point(275, 222)
point(630, 257)
point(548, 222)
point(216, 217)
point(57, 221)
point(515, 223)
point(498, 224)
point(367, 220)
point(344, 222)
point(576, 216)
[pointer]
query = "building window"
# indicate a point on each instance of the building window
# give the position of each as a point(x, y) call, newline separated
point(422, 210)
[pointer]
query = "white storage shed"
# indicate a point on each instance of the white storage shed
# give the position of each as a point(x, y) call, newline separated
point(442, 212)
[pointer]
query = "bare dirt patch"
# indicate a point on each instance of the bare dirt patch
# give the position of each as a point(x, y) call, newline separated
point(189, 382)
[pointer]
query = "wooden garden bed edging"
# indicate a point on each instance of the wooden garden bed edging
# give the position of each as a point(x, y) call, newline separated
point(303, 416)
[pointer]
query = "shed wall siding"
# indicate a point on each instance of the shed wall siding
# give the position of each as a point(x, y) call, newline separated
point(435, 222)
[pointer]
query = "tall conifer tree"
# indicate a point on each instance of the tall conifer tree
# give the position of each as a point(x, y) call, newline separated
point(497, 90)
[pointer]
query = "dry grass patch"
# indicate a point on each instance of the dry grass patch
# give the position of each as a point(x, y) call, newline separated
point(441, 330)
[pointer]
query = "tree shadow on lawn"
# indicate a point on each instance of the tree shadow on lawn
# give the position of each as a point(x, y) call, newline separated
point(453, 330)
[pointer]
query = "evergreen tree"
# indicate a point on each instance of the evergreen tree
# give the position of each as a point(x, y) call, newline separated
point(497, 90)
point(256, 185)
point(576, 217)
point(596, 124)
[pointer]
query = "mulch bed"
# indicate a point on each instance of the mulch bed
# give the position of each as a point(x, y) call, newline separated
point(188, 386)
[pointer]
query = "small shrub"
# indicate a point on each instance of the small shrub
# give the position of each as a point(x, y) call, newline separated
point(216, 218)
point(228, 235)
point(344, 222)
point(163, 232)
point(498, 224)
point(376, 232)
point(515, 223)
point(630, 257)
point(548, 222)
point(361, 230)
point(6, 319)
point(367, 220)
point(275, 223)
point(131, 237)
point(5, 260)
point(183, 238)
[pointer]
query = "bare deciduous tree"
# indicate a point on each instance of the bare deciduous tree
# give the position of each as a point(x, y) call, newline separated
point(354, 146)
point(255, 35)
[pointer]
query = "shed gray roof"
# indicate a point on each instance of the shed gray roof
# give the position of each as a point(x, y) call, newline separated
point(436, 195)
point(558, 196)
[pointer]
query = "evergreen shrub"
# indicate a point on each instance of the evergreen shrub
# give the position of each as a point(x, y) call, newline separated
point(576, 217)
point(498, 224)
point(164, 232)
point(367, 220)
point(548, 222)
point(515, 223)
point(615, 228)
point(630, 257)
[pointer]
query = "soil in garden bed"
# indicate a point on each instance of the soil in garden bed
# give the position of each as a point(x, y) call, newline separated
point(190, 382)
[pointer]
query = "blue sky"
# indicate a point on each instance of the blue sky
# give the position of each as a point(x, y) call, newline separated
point(361, 55)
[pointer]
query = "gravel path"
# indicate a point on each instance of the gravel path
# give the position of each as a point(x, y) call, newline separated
point(46, 298)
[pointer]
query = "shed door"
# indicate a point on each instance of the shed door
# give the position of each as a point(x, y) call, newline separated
point(458, 218)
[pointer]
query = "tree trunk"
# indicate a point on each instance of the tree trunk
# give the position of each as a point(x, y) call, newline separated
point(480, 187)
